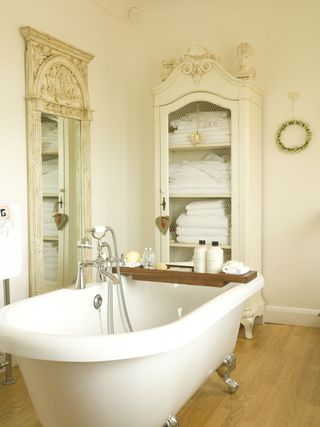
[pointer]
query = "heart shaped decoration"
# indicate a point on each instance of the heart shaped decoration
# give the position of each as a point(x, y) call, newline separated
point(163, 223)
point(60, 219)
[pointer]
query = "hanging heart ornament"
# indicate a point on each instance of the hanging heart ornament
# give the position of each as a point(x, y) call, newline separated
point(163, 223)
point(60, 219)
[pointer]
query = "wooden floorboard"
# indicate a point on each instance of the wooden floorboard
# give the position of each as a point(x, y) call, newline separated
point(279, 376)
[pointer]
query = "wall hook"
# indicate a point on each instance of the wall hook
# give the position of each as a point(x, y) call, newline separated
point(293, 96)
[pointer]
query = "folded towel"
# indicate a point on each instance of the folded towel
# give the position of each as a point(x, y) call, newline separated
point(196, 231)
point(206, 204)
point(202, 119)
point(204, 222)
point(206, 212)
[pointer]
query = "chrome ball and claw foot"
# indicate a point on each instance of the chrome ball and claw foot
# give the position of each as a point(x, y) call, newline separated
point(224, 371)
point(171, 421)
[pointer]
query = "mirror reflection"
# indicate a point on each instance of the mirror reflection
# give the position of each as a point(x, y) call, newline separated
point(61, 204)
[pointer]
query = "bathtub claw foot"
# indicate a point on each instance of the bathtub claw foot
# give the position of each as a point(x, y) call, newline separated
point(224, 371)
point(171, 421)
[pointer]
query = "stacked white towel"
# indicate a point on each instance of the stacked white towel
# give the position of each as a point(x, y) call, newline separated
point(50, 261)
point(206, 177)
point(49, 136)
point(204, 220)
point(214, 128)
point(50, 175)
point(49, 225)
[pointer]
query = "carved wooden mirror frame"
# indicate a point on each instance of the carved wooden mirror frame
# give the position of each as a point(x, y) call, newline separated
point(56, 83)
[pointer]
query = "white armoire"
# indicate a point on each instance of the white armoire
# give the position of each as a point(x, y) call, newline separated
point(208, 164)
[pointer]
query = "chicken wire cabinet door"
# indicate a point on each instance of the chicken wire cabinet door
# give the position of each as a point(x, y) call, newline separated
point(208, 165)
point(197, 181)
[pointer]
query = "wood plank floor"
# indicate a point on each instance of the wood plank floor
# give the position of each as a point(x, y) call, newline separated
point(279, 376)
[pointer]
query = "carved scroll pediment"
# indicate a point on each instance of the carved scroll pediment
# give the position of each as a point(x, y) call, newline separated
point(58, 71)
point(196, 61)
point(60, 85)
point(41, 53)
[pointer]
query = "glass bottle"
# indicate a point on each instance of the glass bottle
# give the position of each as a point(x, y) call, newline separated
point(148, 258)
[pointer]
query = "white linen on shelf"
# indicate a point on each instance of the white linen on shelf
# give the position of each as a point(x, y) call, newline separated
point(212, 174)
point(212, 224)
point(204, 119)
point(214, 127)
point(205, 212)
point(49, 226)
point(50, 175)
point(207, 231)
point(49, 136)
point(215, 221)
point(206, 205)
point(50, 261)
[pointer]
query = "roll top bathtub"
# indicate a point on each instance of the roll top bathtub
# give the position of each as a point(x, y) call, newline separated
point(78, 376)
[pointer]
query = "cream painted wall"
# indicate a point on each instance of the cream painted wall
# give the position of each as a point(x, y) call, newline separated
point(127, 66)
point(89, 27)
point(285, 37)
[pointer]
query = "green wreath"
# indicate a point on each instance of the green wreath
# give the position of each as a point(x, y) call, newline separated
point(296, 148)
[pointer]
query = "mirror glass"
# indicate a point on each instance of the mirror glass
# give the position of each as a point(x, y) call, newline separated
point(61, 199)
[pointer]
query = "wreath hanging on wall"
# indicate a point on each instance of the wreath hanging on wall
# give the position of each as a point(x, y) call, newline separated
point(295, 148)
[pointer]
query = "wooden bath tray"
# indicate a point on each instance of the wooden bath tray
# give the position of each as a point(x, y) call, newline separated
point(186, 277)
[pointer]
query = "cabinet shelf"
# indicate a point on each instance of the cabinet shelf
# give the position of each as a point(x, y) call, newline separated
point(197, 196)
point(174, 244)
point(186, 147)
point(50, 238)
point(49, 194)
point(50, 153)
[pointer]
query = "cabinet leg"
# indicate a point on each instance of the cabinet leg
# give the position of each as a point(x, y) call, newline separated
point(248, 323)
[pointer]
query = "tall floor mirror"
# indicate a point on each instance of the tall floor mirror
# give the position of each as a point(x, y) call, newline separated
point(58, 157)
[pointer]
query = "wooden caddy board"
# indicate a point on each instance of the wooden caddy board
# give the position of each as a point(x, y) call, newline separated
point(186, 277)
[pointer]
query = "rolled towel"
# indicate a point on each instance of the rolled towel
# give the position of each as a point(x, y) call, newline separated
point(235, 267)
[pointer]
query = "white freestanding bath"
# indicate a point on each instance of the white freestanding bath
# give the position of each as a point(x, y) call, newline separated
point(78, 376)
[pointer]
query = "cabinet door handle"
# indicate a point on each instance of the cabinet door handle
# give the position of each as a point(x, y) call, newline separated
point(164, 203)
point(60, 203)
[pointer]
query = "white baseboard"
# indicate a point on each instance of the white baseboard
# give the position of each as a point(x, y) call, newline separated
point(292, 316)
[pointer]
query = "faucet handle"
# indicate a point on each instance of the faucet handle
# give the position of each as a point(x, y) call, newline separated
point(99, 232)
